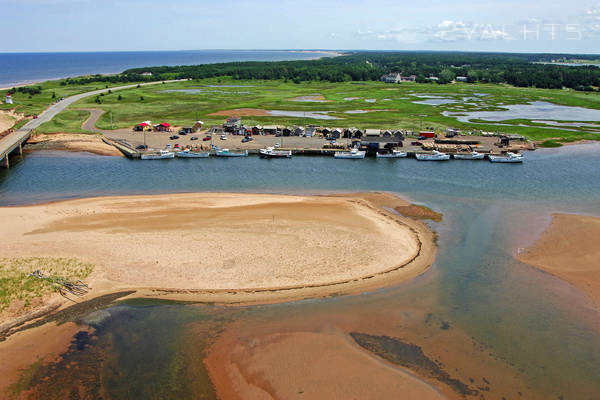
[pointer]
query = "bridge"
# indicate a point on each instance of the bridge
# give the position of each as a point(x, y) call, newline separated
point(13, 142)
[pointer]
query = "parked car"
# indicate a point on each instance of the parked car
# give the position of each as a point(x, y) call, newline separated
point(206, 138)
point(194, 138)
point(245, 140)
point(223, 137)
point(168, 146)
point(174, 137)
point(182, 133)
point(176, 145)
point(417, 144)
point(141, 147)
point(277, 145)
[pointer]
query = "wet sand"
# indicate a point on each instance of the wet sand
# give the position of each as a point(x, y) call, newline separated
point(42, 344)
point(569, 250)
point(90, 143)
point(227, 248)
point(311, 365)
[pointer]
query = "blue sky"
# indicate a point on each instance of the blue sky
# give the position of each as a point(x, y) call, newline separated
point(104, 25)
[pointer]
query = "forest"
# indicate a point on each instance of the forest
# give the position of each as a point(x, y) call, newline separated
point(522, 70)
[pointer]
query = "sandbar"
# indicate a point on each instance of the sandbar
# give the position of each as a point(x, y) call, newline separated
point(569, 250)
point(225, 247)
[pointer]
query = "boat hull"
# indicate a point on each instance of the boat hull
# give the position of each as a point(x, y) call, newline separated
point(391, 155)
point(500, 159)
point(182, 154)
point(431, 157)
point(350, 156)
point(245, 154)
point(157, 156)
point(275, 154)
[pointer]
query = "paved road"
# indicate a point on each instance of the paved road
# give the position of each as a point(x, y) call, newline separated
point(54, 109)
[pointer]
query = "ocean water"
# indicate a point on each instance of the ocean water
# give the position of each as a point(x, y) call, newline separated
point(18, 68)
point(529, 319)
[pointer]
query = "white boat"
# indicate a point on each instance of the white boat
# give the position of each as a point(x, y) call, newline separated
point(433, 156)
point(469, 156)
point(393, 154)
point(508, 158)
point(161, 155)
point(270, 152)
point(227, 153)
point(352, 154)
point(192, 154)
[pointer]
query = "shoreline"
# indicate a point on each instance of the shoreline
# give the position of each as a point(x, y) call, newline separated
point(106, 280)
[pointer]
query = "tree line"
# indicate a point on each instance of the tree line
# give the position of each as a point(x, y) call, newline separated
point(524, 70)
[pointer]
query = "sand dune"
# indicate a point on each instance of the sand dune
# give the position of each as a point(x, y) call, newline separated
point(569, 250)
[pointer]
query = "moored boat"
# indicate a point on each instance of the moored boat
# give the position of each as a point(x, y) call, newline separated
point(393, 154)
point(192, 154)
point(161, 155)
point(352, 154)
point(270, 152)
point(508, 158)
point(469, 156)
point(227, 153)
point(433, 156)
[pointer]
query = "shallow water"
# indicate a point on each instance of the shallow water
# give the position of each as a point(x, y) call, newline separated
point(544, 330)
point(535, 110)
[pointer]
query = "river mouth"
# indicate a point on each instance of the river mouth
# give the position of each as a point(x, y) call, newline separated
point(466, 312)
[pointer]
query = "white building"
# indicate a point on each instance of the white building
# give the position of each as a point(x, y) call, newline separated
point(8, 99)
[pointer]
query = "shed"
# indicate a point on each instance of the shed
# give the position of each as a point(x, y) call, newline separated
point(163, 127)
point(373, 132)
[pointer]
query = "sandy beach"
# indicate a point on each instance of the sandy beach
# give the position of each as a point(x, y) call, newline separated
point(569, 250)
point(72, 142)
point(228, 248)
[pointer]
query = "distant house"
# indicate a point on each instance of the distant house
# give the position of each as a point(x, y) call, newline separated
point(409, 78)
point(142, 126)
point(461, 79)
point(433, 78)
point(198, 126)
point(187, 129)
point(270, 130)
point(257, 130)
point(359, 133)
point(297, 131)
point(232, 124)
point(393, 77)
point(335, 133)
point(146, 73)
point(349, 133)
point(387, 133)
point(373, 132)
point(310, 130)
point(163, 127)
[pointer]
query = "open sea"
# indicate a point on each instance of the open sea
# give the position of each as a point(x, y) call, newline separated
point(20, 68)
point(541, 329)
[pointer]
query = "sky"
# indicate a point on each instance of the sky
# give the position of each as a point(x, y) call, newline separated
point(125, 25)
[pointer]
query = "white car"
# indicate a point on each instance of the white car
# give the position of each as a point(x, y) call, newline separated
point(277, 145)
point(223, 137)
point(168, 147)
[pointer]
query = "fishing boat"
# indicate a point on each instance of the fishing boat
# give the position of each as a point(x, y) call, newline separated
point(393, 154)
point(192, 154)
point(508, 158)
point(161, 155)
point(433, 156)
point(270, 152)
point(469, 156)
point(352, 154)
point(227, 153)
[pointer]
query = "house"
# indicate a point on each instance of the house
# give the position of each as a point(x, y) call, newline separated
point(287, 131)
point(349, 133)
point(142, 126)
point(387, 133)
point(8, 99)
point(232, 123)
point(433, 78)
point(325, 131)
point(393, 77)
point(335, 133)
point(461, 79)
point(359, 133)
point(410, 78)
point(198, 126)
point(397, 134)
point(270, 130)
point(146, 74)
point(373, 132)
point(310, 130)
point(187, 129)
point(257, 130)
point(297, 131)
point(163, 127)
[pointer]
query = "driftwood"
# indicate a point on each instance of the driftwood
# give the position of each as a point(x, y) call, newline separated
point(64, 286)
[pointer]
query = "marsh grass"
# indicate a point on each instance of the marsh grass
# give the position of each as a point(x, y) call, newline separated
point(17, 285)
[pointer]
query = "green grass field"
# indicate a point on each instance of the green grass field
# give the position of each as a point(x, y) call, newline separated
point(394, 106)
